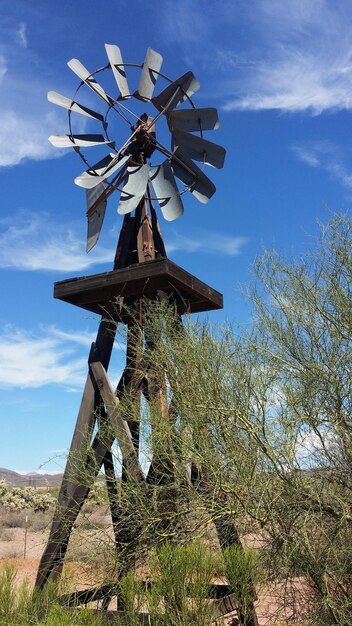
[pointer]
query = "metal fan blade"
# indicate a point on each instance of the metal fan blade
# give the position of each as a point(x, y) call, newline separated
point(71, 105)
point(95, 214)
point(199, 149)
point(149, 75)
point(117, 66)
point(186, 171)
point(193, 119)
point(69, 141)
point(134, 188)
point(181, 89)
point(100, 171)
point(165, 187)
point(76, 66)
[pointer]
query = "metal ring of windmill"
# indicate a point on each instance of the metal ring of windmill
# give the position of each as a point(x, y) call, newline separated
point(127, 165)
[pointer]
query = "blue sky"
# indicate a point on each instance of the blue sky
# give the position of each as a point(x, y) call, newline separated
point(280, 75)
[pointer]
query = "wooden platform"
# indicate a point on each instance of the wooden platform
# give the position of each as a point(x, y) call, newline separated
point(142, 279)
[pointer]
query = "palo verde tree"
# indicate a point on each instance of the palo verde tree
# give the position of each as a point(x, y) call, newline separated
point(263, 419)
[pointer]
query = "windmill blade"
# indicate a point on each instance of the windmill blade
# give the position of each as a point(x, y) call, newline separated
point(134, 188)
point(69, 141)
point(165, 187)
point(187, 172)
point(71, 105)
point(95, 213)
point(151, 67)
point(76, 66)
point(181, 89)
point(199, 149)
point(116, 63)
point(100, 171)
point(193, 119)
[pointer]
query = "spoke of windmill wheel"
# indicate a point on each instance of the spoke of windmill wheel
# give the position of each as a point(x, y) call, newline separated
point(180, 90)
point(171, 155)
point(134, 188)
point(149, 75)
point(100, 171)
point(76, 66)
point(166, 190)
point(71, 105)
point(116, 63)
point(193, 119)
point(147, 127)
point(185, 170)
point(198, 148)
point(69, 141)
point(95, 213)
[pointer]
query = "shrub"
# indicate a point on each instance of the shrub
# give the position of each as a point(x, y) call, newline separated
point(19, 606)
point(18, 499)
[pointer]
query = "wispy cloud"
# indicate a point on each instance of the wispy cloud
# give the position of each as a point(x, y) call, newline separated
point(177, 24)
point(47, 355)
point(268, 54)
point(3, 67)
point(26, 117)
point(34, 242)
point(24, 135)
point(36, 359)
point(82, 338)
point(22, 35)
point(303, 59)
point(328, 157)
point(208, 243)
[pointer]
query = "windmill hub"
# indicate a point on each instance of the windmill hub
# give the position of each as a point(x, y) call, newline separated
point(143, 142)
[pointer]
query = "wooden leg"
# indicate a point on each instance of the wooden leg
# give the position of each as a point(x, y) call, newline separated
point(67, 513)
point(228, 536)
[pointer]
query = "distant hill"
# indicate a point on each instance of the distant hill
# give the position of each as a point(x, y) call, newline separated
point(32, 479)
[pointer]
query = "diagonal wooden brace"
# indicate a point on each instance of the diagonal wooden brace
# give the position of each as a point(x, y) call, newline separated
point(120, 427)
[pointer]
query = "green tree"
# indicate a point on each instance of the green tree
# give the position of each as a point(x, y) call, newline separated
point(265, 417)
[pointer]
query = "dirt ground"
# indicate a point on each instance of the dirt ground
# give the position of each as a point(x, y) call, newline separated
point(277, 605)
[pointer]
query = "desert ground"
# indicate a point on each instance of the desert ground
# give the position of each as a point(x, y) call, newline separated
point(23, 536)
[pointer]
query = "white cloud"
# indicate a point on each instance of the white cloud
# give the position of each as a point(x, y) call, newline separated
point(313, 447)
point(303, 58)
point(33, 242)
point(36, 359)
point(27, 119)
point(179, 25)
point(22, 35)
point(3, 67)
point(208, 243)
point(83, 338)
point(47, 356)
point(24, 135)
point(294, 55)
point(326, 156)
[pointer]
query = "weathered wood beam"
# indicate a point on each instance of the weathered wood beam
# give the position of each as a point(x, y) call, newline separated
point(120, 426)
point(65, 517)
point(217, 591)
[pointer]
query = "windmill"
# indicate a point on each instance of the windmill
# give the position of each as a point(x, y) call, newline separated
point(145, 170)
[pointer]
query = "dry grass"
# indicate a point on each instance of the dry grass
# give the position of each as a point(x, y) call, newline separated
point(9, 519)
point(36, 522)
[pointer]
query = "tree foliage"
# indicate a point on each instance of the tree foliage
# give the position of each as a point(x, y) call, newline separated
point(264, 417)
